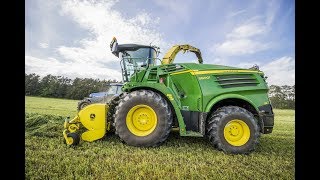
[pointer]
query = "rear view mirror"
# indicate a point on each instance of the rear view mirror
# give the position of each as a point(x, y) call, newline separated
point(114, 47)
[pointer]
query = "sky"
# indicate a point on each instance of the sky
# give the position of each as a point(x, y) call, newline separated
point(71, 38)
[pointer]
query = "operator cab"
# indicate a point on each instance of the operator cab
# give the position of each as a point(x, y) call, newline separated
point(134, 57)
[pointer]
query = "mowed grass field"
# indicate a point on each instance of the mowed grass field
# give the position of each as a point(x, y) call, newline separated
point(46, 157)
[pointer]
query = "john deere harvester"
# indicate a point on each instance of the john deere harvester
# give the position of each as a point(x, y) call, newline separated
point(227, 105)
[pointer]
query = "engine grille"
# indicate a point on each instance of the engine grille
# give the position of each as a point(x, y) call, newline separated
point(236, 80)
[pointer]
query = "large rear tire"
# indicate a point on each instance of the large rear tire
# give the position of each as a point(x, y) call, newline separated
point(143, 118)
point(233, 129)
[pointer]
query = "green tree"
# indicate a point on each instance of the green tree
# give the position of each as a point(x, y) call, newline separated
point(282, 97)
point(63, 87)
point(49, 86)
point(32, 84)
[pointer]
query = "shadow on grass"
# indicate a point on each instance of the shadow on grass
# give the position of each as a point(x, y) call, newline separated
point(267, 143)
point(173, 139)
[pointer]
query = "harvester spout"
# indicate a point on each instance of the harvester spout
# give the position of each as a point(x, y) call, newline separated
point(174, 50)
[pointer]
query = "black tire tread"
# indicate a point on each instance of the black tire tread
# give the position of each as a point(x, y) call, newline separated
point(75, 137)
point(111, 112)
point(213, 125)
point(146, 94)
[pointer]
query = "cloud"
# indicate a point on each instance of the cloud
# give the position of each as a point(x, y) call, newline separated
point(238, 47)
point(272, 10)
point(91, 55)
point(280, 71)
point(104, 22)
point(246, 38)
point(72, 70)
point(44, 45)
point(247, 30)
point(180, 10)
point(144, 19)
point(232, 14)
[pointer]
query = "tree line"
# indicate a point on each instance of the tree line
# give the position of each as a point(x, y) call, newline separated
point(63, 87)
point(281, 97)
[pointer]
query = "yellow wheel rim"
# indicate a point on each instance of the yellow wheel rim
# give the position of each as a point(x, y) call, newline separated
point(236, 132)
point(141, 120)
point(69, 140)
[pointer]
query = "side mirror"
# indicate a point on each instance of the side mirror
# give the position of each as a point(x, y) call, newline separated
point(114, 47)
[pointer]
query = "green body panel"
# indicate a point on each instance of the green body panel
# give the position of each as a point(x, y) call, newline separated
point(189, 91)
point(255, 95)
point(212, 92)
point(198, 87)
point(137, 77)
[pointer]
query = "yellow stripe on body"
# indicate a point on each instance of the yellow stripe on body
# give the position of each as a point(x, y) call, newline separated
point(223, 71)
point(196, 72)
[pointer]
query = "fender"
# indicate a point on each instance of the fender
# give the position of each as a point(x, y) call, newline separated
point(213, 101)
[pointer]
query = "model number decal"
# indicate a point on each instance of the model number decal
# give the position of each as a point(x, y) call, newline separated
point(204, 77)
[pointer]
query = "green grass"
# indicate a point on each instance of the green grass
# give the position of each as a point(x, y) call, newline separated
point(60, 107)
point(178, 158)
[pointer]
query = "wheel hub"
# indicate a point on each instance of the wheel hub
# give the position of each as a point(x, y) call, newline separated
point(236, 132)
point(141, 120)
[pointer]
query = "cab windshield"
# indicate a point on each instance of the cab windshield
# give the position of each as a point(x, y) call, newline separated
point(141, 57)
point(134, 61)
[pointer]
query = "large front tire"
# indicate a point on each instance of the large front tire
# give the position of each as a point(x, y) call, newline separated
point(111, 112)
point(233, 130)
point(143, 118)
